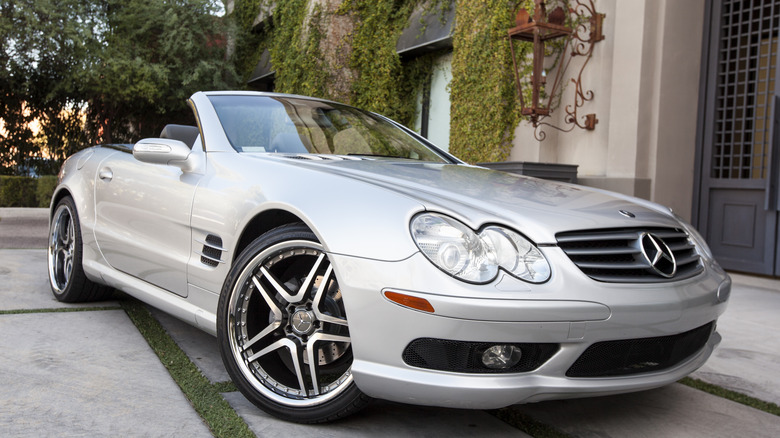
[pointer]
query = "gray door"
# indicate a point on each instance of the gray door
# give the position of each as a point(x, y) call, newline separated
point(740, 132)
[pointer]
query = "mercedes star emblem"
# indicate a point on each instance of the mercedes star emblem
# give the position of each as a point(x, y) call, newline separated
point(658, 255)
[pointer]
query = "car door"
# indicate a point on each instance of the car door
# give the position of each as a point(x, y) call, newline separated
point(143, 219)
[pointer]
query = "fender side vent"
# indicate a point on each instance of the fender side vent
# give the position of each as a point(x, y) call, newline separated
point(211, 255)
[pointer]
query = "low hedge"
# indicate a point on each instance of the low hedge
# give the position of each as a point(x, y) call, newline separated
point(46, 186)
point(24, 191)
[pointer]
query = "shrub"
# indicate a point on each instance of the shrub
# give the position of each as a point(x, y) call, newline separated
point(46, 185)
point(25, 191)
point(17, 191)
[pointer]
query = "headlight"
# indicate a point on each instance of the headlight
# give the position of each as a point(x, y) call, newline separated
point(476, 257)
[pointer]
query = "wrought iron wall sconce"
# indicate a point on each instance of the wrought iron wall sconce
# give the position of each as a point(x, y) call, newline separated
point(544, 27)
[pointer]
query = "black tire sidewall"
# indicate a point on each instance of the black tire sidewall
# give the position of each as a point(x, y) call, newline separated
point(71, 292)
point(345, 403)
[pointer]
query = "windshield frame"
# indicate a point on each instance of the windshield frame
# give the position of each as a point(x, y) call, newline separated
point(375, 131)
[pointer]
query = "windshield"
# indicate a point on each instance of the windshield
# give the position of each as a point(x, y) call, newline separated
point(302, 126)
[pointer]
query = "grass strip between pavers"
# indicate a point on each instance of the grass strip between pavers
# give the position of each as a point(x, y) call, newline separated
point(222, 387)
point(526, 424)
point(223, 420)
point(218, 415)
point(734, 396)
point(58, 310)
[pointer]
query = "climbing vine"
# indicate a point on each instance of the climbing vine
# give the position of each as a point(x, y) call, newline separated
point(379, 83)
point(485, 108)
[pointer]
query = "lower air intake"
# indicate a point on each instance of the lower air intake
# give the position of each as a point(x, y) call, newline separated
point(635, 356)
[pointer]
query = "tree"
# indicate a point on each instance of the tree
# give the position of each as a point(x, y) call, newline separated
point(93, 71)
point(42, 42)
point(155, 54)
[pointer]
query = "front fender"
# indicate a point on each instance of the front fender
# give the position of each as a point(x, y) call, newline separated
point(349, 217)
point(77, 180)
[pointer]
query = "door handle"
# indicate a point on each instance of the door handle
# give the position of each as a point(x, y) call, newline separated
point(106, 174)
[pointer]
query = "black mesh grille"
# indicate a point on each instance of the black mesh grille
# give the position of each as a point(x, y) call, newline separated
point(634, 356)
point(212, 251)
point(615, 255)
point(466, 357)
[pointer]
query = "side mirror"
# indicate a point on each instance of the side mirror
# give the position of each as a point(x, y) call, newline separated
point(163, 151)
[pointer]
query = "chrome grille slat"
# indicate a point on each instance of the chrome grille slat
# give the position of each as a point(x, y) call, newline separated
point(607, 265)
point(602, 251)
point(690, 258)
point(681, 246)
point(598, 236)
point(672, 234)
point(616, 255)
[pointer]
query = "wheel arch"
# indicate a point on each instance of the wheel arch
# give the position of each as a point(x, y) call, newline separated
point(262, 223)
point(59, 194)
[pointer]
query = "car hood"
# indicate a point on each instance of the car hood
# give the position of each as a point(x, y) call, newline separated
point(478, 196)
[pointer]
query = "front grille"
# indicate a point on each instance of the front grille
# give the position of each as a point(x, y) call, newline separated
point(466, 357)
point(616, 255)
point(635, 356)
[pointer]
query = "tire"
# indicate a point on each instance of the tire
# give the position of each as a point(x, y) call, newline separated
point(282, 329)
point(68, 282)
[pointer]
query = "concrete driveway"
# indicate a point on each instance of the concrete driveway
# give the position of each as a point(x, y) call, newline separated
point(22, 228)
point(87, 371)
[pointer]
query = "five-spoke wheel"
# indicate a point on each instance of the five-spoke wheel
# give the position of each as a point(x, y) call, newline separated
point(283, 329)
point(62, 244)
point(66, 275)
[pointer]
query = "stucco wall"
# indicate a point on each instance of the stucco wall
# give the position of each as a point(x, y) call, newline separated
point(645, 80)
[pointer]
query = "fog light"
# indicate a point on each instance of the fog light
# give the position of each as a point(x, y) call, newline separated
point(499, 357)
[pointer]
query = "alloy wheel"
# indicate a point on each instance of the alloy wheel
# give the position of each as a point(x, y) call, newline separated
point(62, 245)
point(287, 325)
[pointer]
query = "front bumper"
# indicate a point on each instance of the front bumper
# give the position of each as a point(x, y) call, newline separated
point(570, 310)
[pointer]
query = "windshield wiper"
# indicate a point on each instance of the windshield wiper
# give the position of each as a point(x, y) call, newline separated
point(379, 156)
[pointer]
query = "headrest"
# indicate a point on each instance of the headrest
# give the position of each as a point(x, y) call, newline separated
point(183, 133)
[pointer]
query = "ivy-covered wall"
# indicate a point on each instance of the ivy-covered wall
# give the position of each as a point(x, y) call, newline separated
point(485, 106)
point(345, 50)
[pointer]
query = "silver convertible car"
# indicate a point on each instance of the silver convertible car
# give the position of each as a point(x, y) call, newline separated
point(338, 256)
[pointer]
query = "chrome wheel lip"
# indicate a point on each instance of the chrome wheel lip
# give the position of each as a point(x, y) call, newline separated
point(62, 247)
point(297, 398)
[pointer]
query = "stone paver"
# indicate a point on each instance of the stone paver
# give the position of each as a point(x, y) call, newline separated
point(86, 374)
point(199, 346)
point(24, 282)
point(672, 411)
point(748, 358)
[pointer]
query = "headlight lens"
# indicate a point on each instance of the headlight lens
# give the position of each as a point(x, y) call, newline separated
point(516, 254)
point(476, 257)
point(453, 247)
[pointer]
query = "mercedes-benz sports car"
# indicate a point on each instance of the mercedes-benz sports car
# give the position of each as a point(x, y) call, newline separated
point(338, 256)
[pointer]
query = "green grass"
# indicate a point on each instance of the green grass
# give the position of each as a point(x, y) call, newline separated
point(218, 415)
point(732, 395)
point(223, 387)
point(59, 310)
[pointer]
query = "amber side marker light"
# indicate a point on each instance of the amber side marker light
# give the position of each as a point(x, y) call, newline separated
point(410, 301)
